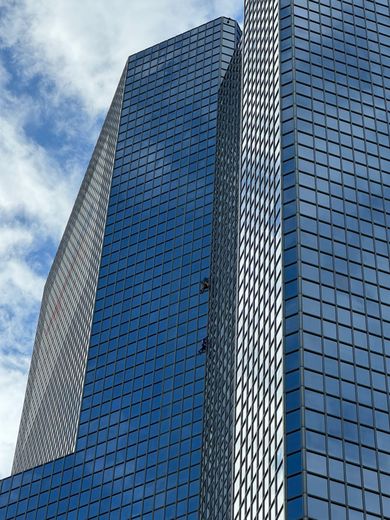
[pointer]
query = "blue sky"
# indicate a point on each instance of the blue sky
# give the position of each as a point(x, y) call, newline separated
point(60, 63)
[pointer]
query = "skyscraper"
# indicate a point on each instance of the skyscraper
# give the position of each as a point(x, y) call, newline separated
point(243, 376)
point(312, 353)
point(335, 194)
point(112, 422)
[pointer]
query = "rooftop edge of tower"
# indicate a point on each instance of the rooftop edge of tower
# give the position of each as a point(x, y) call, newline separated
point(164, 43)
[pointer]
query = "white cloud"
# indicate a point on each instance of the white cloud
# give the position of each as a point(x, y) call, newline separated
point(31, 184)
point(21, 290)
point(12, 388)
point(82, 45)
point(36, 194)
point(60, 65)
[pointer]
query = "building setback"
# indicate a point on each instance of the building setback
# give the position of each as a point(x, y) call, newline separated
point(234, 349)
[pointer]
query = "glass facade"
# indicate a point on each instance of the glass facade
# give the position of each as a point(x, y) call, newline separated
point(336, 159)
point(218, 435)
point(258, 452)
point(138, 446)
point(313, 281)
point(238, 355)
point(55, 384)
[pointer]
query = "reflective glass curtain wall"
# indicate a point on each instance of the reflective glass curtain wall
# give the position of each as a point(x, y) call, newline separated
point(259, 427)
point(139, 440)
point(218, 431)
point(335, 102)
point(297, 345)
point(314, 220)
point(51, 410)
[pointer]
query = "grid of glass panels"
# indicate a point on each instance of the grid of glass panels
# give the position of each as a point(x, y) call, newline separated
point(216, 483)
point(55, 383)
point(139, 441)
point(291, 269)
point(145, 376)
point(342, 96)
point(259, 427)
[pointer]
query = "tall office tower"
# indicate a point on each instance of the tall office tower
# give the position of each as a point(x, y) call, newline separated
point(296, 421)
point(313, 318)
point(335, 115)
point(113, 418)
